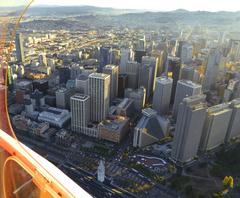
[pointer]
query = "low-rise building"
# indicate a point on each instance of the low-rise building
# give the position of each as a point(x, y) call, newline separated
point(55, 117)
point(114, 129)
point(150, 129)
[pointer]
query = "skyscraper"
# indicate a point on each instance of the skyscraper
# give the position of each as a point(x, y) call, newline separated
point(63, 96)
point(234, 125)
point(215, 127)
point(212, 69)
point(104, 57)
point(42, 59)
point(99, 92)
point(162, 94)
point(185, 89)
point(190, 73)
point(19, 48)
point(173, 69)
point(132, 70)
point(147, 74)
point(127, 54)
point(80, 111)
point(113, 71)
point(186, 53)
point(122, 84)
point(190, 121)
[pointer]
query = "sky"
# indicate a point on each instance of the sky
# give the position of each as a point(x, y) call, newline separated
point(161, 5)
point(155, 5)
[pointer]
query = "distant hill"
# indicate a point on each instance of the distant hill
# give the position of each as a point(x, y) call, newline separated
point(75, 10)
point(74, 16)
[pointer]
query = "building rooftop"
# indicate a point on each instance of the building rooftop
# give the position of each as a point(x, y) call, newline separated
point(99, 75)
point(189, 83)
point(80, 97)
point(164, 80)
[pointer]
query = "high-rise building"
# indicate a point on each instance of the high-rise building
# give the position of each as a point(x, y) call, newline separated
point(141, 44)
point(113, 71)
point(114, 57)
point(190, 122)
point(147, 74)
point(99, 92)
point(138, 96)
point(162, 94)
point(63, 98)
point(234, 125)
point(122, 84)
point(81, 83)
point(64, 74)
point(212, 69)
point(234, 49)
point(132, 71)
point(186, 53)
point(215, 127)
point(42, 59)
point(138, 55)
point(190, 73)
point(104, 57)
point(173, 69)
point(19, 48)
point(80, 112)
point(185, 89)
point(127, 54)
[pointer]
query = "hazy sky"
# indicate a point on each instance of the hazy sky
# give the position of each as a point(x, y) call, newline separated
point(165, 5)
point(158, 5)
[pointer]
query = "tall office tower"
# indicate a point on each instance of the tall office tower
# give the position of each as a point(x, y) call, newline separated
point(127, 54)
point(99, 92)
point(162, 56)
point(190, 73)
point(19, 48)
point(141, 44)
point(114, 57)
point(234, 49)
point(185, 89)
point(147, 74)
point(122, 84)
point(234, 125)
point(138, 55)
point(215, 127)
point(113, 71)
point(212, 69)
point(232, 91)
point(132, 71)
point(138, 96)
point(42, 59)
point(179, 45)
point(190, 122)
point(173, 70)
point(80, 111)
point(63, 96)
point(104, 57)
point(81, 83)
point(64, 74)
point(186, 53)
point(162, 94)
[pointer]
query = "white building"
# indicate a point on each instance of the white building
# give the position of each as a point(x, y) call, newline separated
point(80, 111)
point(185, 88)
point(113, 71)
point(99, 92)
point(162, 94)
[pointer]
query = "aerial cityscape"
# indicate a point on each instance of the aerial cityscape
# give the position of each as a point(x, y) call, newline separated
point(130, 102)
